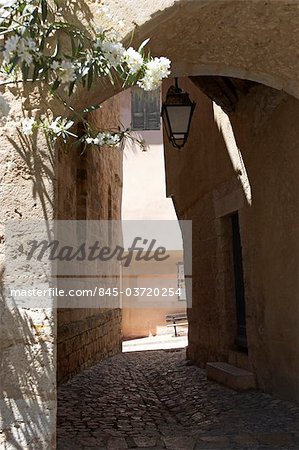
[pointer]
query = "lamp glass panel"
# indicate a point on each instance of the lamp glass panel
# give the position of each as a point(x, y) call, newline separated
point(166, 123)
point(179, 117)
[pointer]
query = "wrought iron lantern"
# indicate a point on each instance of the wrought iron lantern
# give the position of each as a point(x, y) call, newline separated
point(177, 113)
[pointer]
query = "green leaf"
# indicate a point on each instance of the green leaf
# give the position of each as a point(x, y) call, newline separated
point(71, 88)
point(13, 64)
point(42, 44)
point(90, 78)
point(35, 72)
point(57, 49)
point(35, 17)
point(25, 71)
point(44, 10)
point(144, 43)
point(74, 47)
point(55, 85)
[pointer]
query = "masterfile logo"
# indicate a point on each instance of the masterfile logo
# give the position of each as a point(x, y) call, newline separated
point(98, 264)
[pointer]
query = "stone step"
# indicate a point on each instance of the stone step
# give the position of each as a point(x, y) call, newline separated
point(239, 359)
point(230, 376)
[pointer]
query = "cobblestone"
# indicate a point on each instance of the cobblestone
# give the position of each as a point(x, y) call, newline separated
point(156, 400)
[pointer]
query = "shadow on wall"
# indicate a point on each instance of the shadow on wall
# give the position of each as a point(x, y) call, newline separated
point(27, 384)
point(40, 167)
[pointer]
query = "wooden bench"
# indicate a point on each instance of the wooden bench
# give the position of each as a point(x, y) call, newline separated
point(176, 319)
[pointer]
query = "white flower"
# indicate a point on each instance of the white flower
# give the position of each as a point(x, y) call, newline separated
point(67, 72)
point(8, 3)
point(99, 29)
point(23, 51)
point(133, 59)
point(55, 65)
point(30, 44)
point(104, 138)
point(113, 51)
point(155, 70)
point(100, 139)
point(112, 139)
point(29, 9)
point(11, 44)
point(4, 107)
point(22, 47)
point(28, 126)
point(60, 127)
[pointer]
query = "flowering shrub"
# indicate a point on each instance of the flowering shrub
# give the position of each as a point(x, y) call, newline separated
point(33, 30)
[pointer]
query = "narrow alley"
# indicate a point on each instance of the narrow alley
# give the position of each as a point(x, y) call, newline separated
point(158, 400)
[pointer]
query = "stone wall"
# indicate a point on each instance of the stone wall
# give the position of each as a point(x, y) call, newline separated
point(84, 337)
point(27, 334)
point(89, 188)
point(255, 41)
point(247, 162)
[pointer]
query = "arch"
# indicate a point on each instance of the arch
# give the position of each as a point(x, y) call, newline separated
point(248, 40)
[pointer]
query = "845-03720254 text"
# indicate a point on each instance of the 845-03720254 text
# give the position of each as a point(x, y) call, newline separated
point(98, 291)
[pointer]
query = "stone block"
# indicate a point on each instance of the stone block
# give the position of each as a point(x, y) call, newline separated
point(230, 376)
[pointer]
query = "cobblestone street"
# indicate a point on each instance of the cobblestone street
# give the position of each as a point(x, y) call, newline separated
point(156, 400)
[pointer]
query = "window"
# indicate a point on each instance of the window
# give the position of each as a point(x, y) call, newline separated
point(145, 109)
point(181, 281)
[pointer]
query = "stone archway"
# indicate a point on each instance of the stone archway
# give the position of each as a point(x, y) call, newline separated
point(247, 40)
point(252, 40)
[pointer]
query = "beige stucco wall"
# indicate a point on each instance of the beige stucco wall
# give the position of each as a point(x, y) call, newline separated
point(144, 315)
point(144, 190)
point(247, 162)
point(144, 198)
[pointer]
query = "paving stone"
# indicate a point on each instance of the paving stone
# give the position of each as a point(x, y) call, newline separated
point(145, 441)
point(117, 443)
point(179, 443)
point(154, 400)
point(222, 442)
point(245, 439)
point(275, 438)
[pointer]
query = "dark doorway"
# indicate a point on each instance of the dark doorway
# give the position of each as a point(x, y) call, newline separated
point(241, 338)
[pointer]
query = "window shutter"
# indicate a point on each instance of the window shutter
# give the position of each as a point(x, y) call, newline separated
point(152, 120)
point(138, 113)
point(145, 109)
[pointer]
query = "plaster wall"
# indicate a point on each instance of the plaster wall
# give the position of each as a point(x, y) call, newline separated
point(144, 198)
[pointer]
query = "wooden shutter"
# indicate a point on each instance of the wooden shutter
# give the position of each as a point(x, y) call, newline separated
point(145, 107)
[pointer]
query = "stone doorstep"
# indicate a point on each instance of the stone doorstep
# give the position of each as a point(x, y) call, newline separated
point(230, 376)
